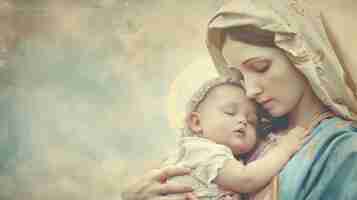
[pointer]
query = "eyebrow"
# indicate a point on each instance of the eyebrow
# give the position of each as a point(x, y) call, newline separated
point(253, 59)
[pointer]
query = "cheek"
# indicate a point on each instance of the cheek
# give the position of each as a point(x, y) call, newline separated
point(252, 139)
point(216, 130)
point(288, 75)
point(285, 99)
point(245, 148)
point(281, 72)
point(276, 78)
point(249, 142)
point(284, 76)
point(294, 88)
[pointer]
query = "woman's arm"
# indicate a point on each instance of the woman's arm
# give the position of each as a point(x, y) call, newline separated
point(255, 175)
point(152, 186)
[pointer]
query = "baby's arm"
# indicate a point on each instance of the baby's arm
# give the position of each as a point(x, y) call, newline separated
point(249, 178)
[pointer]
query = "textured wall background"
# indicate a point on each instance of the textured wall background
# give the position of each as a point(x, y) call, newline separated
point(83, 86)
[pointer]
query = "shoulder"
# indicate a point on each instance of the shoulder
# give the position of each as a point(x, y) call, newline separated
point(334, 141)
point(343, 142)
point(334, 166)
point(334, 128)
point(332, 138)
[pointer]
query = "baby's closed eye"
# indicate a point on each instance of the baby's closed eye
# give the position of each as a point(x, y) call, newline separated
point(231, 113)
point(229, 110)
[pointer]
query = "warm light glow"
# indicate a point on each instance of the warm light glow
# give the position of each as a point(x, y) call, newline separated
point(184, 86)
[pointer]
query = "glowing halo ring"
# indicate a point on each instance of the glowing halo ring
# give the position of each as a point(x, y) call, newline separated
point(183, 87)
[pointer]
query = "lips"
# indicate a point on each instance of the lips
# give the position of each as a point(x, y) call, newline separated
point(266, 102)
point(240, 131)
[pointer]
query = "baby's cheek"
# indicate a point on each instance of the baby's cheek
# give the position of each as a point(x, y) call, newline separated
point(247, 145)
point(240, 147)
point(244, 148)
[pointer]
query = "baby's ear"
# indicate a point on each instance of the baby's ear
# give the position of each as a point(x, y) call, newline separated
point(194, 123)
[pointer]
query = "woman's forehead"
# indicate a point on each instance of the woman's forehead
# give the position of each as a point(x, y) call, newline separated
point(236, 52)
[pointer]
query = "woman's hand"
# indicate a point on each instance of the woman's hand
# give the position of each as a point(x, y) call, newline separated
point(153, 186)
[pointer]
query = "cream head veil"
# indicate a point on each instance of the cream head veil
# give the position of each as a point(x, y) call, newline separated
point(305, 38)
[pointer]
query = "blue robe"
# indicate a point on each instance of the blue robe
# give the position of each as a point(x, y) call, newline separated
point(326, 166)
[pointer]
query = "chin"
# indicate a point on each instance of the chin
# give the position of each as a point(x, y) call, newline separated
point(236, 150)
point(244, 150)
point(277, 112)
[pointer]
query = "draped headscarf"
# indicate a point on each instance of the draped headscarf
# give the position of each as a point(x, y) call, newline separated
point(305, 39)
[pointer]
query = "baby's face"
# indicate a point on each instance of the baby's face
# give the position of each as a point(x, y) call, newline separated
point(228, 117)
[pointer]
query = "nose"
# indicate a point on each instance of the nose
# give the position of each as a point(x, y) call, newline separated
point(252, 87)
point(242, 120)
point(242, 125)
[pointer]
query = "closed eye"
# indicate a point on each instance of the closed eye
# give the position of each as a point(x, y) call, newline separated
point(229, 113)
point(261, 65)
point(258, 64)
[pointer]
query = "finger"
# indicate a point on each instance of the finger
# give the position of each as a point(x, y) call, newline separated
point(187, 196)
point(297, 130)
point(303, 135)
point(305, 140)
point(171, 197)
point(171, 171)
point(173, 188)
point(190, 196)
point(306, 132)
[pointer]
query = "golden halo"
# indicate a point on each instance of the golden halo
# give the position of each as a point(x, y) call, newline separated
point(184, 86)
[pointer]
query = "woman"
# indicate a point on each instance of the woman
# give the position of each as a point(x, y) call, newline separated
point(287, 64)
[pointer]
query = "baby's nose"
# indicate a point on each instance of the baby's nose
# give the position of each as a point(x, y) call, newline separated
point(242, 120)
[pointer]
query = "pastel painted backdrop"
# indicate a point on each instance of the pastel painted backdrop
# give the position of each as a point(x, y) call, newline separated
point(83, 90)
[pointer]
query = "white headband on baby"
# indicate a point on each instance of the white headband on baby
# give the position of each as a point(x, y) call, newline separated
point(184, 86)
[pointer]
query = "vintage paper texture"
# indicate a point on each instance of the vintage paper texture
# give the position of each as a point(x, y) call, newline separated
point(84, 88)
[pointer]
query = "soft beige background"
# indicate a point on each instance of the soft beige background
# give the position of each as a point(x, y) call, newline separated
point(83, 87)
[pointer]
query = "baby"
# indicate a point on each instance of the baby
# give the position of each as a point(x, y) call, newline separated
point(221, 127)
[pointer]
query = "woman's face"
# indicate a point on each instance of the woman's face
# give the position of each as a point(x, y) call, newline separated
point(269, 77)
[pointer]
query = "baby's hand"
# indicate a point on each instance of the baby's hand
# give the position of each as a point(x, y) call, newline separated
point(293, 140)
